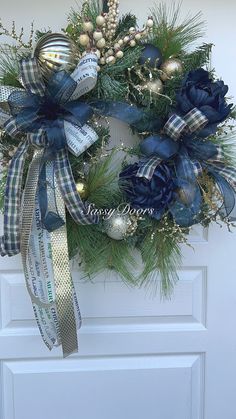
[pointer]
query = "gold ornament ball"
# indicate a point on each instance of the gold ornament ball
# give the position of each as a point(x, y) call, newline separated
point(170, 67)
point(154, 86)
point(55, 52)
point(81, 188)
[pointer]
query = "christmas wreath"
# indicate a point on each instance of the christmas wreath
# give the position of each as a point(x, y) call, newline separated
point(66, 190)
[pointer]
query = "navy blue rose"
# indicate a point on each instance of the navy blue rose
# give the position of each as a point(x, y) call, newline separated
point(198, 90)
point(155, 194)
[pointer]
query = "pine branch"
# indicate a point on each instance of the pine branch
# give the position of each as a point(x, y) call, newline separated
point(98, 252)
point(110, 88)
point(89, 10)
point(127, 21)
point(225, 137)
point(170, 34)
point(102, 183)
point(9, 65)
point(198, 58)
point(130, 58)
point(2, 188)
point(161, 254)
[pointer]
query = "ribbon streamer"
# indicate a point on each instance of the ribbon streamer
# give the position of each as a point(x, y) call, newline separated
point(52, 120)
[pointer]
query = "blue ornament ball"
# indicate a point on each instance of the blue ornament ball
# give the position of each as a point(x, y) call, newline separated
point(151, 55)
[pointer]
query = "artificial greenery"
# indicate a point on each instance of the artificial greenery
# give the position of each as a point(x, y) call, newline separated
point(158, 242)
point(172, 34)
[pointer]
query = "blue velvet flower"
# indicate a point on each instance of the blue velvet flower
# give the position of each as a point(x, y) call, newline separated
point(155, 194)
point(198, 90)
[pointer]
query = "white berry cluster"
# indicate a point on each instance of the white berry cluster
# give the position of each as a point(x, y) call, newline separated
point(102, 39)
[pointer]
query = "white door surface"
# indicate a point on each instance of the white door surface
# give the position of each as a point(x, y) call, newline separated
point(139, 357)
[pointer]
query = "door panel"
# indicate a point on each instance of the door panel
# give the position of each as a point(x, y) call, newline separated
point(139, 356)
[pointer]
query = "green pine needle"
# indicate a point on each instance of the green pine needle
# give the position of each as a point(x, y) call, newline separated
point(2, 188)
point(161, 255)
point(127, 21)
point(98, 252)
point(102, 183)
point(130, 58)
point(9, 66)
point(200, 57)
point(172, 35)
point(226, 138)
point(110, 88)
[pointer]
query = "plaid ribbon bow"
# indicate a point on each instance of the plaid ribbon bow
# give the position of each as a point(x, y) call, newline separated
point(56, 322)
point(175, 127)
point(10, 242)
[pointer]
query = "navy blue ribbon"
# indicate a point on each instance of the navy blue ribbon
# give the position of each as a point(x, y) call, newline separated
point(41, 115)
point(184, 155)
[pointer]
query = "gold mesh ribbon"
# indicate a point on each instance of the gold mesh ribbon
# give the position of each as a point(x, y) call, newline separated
point(27, 217)
point(63, 282)
point(60, 259)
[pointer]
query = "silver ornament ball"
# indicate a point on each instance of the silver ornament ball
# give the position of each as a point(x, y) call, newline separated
point(55, 52)
point(118, 226)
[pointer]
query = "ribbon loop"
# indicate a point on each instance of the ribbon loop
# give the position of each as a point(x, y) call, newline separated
point(31, 77)
point(177, 126)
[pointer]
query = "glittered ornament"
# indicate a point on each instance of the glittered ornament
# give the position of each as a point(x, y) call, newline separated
point(81, 188)
point(151, 55)
point(119, 226)
point(55, 52)
point(170, 67)
point(153, 86)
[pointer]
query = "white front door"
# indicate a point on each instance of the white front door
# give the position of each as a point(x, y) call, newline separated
point(139, 357)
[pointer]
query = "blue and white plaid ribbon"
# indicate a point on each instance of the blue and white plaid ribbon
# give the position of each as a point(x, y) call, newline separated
point(177, 125)
point(148, 167)
point(14, 235)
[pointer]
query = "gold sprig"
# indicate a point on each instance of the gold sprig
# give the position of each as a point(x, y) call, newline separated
point(18, 37)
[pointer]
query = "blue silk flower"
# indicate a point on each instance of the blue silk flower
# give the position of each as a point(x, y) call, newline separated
point(198, 90)
point(155, 194)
